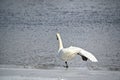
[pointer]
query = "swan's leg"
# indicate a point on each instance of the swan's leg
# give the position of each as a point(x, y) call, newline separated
point(66, 64)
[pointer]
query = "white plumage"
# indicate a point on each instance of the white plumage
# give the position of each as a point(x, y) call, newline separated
point(69, 53)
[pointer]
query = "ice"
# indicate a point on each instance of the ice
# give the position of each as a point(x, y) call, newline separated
point(57, 74)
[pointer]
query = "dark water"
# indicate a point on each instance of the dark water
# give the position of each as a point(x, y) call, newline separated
point(28, 31)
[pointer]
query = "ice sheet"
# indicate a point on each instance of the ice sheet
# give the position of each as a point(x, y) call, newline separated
point(57, 74)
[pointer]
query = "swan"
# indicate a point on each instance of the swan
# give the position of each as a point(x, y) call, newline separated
point(69, 53)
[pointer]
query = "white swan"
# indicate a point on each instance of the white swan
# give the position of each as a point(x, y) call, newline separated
point(69, 53)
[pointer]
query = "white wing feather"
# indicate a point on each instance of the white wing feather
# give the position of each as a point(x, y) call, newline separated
point(88, 55)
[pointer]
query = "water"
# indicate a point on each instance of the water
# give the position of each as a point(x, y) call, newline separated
point(28, 32)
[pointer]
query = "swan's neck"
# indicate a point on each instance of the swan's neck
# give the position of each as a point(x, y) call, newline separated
point(59, 41)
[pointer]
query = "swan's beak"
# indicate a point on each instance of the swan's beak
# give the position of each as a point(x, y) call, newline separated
point(56, 37)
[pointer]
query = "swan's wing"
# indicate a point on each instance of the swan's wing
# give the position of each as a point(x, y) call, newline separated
point(88, 55)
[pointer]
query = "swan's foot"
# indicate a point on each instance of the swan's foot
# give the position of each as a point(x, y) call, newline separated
point(66, 66)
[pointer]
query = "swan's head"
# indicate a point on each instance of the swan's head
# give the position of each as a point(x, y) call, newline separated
point(57, 35)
